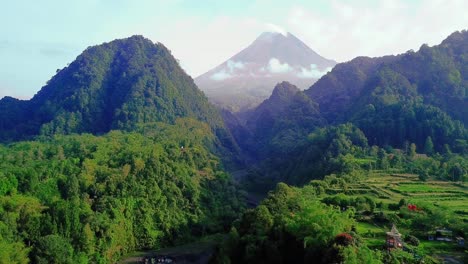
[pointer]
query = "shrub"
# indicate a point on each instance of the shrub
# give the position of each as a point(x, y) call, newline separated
point(344, 239)
point(412, 240)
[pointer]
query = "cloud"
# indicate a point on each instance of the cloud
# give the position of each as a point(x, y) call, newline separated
point(313, 72)
point(221, 75)
point(276, 29)
point(375, 28)
point(275, 66)
point(228, 71)
point(232, 65)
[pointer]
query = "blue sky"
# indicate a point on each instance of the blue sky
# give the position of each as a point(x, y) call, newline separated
point(39, 37)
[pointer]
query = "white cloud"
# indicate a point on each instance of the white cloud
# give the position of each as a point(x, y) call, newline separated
point(276, 29)
point(376, 28)
point(313, 72)
point(229, 71)
point(233, 65)
point(275, 66)
point(221, 75)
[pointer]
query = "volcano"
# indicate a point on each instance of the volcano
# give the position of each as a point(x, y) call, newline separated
point(247, 78)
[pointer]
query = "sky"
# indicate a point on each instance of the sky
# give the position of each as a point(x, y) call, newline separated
point(39, 37)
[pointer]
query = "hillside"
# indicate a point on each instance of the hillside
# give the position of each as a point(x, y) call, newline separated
point(282, 120)
point(93, 199)
point(402, 98)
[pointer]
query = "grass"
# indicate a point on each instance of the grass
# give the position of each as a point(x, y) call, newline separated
point(364, 228)
point(390, 188)
point(428, 188)
point(437, 247)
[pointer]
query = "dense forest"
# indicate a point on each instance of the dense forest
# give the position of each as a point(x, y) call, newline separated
point(120, 151)
point(88, 199)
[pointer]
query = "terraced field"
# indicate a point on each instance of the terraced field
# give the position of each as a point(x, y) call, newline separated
point(391, 188)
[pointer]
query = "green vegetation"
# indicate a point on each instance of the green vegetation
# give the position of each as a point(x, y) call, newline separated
point(361, 204)
point(114, 86)
point(375, 142)
point(80, 199)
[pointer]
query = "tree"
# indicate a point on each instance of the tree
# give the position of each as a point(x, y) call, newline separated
point(382, 159)
point(54, 249)
point(423, 175)
point(412, 240)
point(429, 146)
point(13, 252)
point(412, 152)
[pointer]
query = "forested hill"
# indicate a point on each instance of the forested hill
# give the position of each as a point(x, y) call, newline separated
point(433, 79)
point(116, 85)
point(398, 98)
point(282, 119)
point(436, 76)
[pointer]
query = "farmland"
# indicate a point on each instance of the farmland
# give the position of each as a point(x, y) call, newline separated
point(439, 204)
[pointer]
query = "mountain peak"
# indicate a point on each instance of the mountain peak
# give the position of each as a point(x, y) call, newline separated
point(284, 90)
point(248, 77)
point(271, 36)
point(456, 39)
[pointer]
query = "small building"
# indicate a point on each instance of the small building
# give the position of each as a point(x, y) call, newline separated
point(443, 235)
point(394, 239)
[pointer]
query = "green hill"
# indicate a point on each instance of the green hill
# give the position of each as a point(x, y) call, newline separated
point(115, 85)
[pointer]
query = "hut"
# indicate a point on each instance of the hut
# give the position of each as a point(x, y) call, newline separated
point(394, 239)
point(443, 235)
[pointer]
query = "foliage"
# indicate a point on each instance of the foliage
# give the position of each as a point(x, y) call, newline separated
point(117, 85)
point(289, 226)
point(76, 198)
point(412, 240)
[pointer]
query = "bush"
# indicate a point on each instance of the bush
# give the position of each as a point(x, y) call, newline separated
point(344, 239)
point(394, 206)
point(412, 240)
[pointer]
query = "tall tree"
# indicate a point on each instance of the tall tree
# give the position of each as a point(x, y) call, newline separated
point(412, 151)
point(429, 146)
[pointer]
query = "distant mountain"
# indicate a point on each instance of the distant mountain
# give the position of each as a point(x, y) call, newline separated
point(116, 85)
point(247, 78)
point(278, 123)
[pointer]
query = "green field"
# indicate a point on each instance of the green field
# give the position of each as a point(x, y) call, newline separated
point(389, 189)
